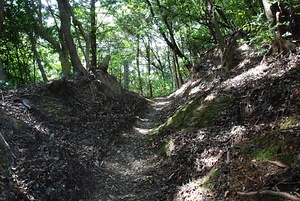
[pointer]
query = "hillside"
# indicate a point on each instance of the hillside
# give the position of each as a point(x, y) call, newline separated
point(235, 134)
point(224, 135)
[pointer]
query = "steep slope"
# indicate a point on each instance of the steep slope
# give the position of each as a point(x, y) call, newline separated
point(54, 136)
point(237, 132)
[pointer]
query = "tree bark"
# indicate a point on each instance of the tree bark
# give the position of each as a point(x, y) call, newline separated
point(126, 75)
point(1, 15)
point(65, 15)
point(175, 70)
point(93, 34)
point(2, 76)
point(149, 69)
point(213, 17)
point(138, 65)
point(60, 46)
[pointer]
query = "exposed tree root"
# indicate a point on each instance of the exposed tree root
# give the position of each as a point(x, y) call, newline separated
point(269, 192)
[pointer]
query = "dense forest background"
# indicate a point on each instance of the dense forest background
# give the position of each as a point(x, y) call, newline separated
point(161, 40)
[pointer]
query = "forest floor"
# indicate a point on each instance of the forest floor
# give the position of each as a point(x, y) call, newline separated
point(224, 135)
point(129, 171)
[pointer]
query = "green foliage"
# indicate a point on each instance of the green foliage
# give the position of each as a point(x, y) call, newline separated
point(212, 176)
point(122, 27)
point(5, 85)
point(269, 148)
point(258, 32)
point(287, 123)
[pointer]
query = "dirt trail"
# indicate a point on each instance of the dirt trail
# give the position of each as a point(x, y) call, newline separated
point(129, 168)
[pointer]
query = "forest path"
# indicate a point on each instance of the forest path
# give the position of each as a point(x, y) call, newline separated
point(128, 170)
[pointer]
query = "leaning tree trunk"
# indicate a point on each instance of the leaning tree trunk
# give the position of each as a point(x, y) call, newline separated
point(60, 46)
point(64, 14)
point(213, 17)
point(33, 44)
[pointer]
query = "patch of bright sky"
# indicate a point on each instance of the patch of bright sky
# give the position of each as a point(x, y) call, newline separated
point(103, 15)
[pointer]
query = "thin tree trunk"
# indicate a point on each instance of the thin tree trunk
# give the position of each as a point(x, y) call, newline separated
point(138, 65)
point(2, 76)
point(78, 24)
point(212, 13)
point(149, 69)
point(175, 71)
point(37, 56)
point(171, 69)
point(93, 34)
point(126, 75)
point(170, 42)
point(33, 44)
point(1, 15)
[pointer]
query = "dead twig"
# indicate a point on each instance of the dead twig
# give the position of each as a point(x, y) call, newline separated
point(269, 192)
point(279, 164)
point(7, 145)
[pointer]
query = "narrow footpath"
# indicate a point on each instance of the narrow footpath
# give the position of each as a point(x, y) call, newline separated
point(129, 169)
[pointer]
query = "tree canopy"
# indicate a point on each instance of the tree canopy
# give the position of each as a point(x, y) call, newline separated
point(162, 40)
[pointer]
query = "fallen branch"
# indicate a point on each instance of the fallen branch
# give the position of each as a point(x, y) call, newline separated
point(279, 164)
point(269, 192)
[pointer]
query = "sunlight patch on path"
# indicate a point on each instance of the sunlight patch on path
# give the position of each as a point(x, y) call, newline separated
point(129, 166)
point(143, 131)
point(161, 104)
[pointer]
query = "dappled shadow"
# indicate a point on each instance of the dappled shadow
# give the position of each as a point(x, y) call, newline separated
point(216, 161)
point(129, 172)
point(58, 142)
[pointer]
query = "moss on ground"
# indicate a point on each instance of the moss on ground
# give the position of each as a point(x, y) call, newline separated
point(197, 114)
point(267, 147)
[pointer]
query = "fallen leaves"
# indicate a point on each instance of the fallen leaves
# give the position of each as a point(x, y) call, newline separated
point(59, 145)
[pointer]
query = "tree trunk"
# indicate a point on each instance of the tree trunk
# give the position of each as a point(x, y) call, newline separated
point(282, 18)
point(33, 44)
point(213, 17)
point(138, 65)
point(126, 75)
point(61, 47)
point(93, 34)
point(149, 69)
point(37, 56)
point(171, 69)
point(175, 71)
point(64, 14)
point(1, 15)
point(2, 76)
point(170, 42)
point(267, 7)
